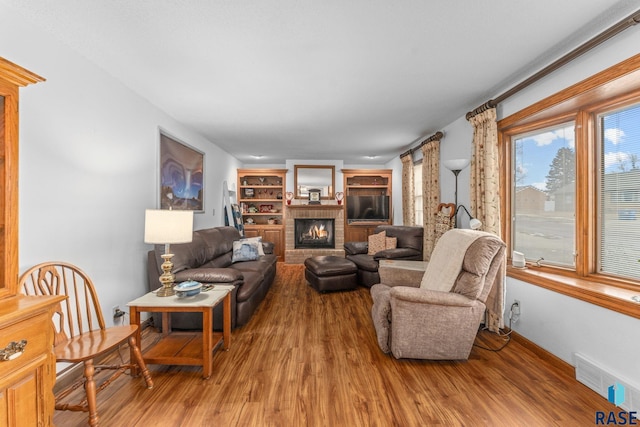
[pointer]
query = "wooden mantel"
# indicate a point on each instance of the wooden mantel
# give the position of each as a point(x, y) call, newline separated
point(316, 207)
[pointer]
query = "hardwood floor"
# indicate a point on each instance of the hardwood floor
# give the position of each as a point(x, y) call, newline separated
point(309, 359)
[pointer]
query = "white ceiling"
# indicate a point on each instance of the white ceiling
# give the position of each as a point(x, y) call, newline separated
point(338, 79)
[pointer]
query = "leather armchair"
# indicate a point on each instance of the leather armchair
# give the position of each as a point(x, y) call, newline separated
point(421, 321)
point(409, 247)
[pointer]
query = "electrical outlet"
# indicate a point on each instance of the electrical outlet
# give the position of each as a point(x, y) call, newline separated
point(514, 312)
point(117, 313)
point(517, 307)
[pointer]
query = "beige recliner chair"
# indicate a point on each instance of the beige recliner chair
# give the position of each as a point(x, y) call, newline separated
point(439, 317)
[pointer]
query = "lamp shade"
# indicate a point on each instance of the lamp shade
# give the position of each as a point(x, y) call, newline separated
point(165, 226)
point(475, 223)
point(456, 164)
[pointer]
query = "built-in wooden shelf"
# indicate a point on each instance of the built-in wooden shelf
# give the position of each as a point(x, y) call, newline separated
point(263, 187)
point(365, 182)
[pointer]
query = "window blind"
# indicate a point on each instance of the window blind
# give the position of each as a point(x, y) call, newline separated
point(619, 136)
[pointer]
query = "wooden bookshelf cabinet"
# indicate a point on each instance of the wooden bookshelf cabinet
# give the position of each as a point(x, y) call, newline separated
point(365, 182)
point(261, 195)
point(26, 376)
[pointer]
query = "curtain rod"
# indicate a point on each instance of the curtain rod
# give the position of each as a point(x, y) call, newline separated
point(436, 136)
point(614, 30)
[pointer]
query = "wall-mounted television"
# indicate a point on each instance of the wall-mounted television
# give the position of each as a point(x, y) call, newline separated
point(367, 208)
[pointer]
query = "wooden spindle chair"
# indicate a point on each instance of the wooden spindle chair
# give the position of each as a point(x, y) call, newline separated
point(80, 331)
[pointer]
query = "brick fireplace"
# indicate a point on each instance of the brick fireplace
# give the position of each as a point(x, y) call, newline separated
point(293, 255)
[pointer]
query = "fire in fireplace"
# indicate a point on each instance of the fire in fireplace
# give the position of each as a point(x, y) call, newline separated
point(314, 233)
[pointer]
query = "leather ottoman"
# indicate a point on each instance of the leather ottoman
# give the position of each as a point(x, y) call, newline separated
point(330, 273)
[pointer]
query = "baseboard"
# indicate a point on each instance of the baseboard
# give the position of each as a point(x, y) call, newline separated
point(553, 360)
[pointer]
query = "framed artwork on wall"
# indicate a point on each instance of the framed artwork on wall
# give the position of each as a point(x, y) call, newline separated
point(181, 176)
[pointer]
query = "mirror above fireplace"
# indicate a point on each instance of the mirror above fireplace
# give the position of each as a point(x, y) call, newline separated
point(321, 177)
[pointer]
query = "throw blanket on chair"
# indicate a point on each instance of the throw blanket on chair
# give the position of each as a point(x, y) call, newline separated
point(446, 260)
point(445, 265)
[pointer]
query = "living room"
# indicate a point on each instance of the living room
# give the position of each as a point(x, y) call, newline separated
point(88, 171)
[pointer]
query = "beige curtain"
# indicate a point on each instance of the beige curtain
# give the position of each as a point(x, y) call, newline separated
point(408, 196)
point(430, 193)
point(485, 171)
point(485, 191)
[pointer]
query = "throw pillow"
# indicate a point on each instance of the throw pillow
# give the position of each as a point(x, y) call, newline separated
point(255, 239)
point(391, 243)
point(244, 251)
point(377, 243)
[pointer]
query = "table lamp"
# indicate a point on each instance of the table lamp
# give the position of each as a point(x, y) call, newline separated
point(166, 227)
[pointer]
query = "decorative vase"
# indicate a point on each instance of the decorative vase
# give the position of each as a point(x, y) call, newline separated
point(339, 197)
point(289, 196)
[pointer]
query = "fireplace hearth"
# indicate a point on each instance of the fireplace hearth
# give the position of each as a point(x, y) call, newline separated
point(314, 233)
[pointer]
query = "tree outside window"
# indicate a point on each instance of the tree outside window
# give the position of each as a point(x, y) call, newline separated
point(544, 189)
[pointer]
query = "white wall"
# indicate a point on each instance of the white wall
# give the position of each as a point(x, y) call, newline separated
point(456, 144)
point(557, 323)
point(396, 189)
point(89, 165)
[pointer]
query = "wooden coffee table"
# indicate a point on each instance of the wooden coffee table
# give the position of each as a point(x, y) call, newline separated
point(186, 347)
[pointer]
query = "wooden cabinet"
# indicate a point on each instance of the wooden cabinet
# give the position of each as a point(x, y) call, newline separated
point(359, 233)
point(366, 182)
point(27, 376)
point(12, 77)
point(261, 195)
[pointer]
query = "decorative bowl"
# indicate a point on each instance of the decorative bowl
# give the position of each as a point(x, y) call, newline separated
point(187, 289)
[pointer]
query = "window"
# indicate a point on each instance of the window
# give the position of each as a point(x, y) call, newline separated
point(619, 199)
point(417, 192)
point(571, 190)
point(544, 185)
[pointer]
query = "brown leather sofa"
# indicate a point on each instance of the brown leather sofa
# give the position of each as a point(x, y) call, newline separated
point(208, 259)
point(409, 247)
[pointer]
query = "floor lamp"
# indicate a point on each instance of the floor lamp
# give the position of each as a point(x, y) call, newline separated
point(455, 166)
point(163, 227)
